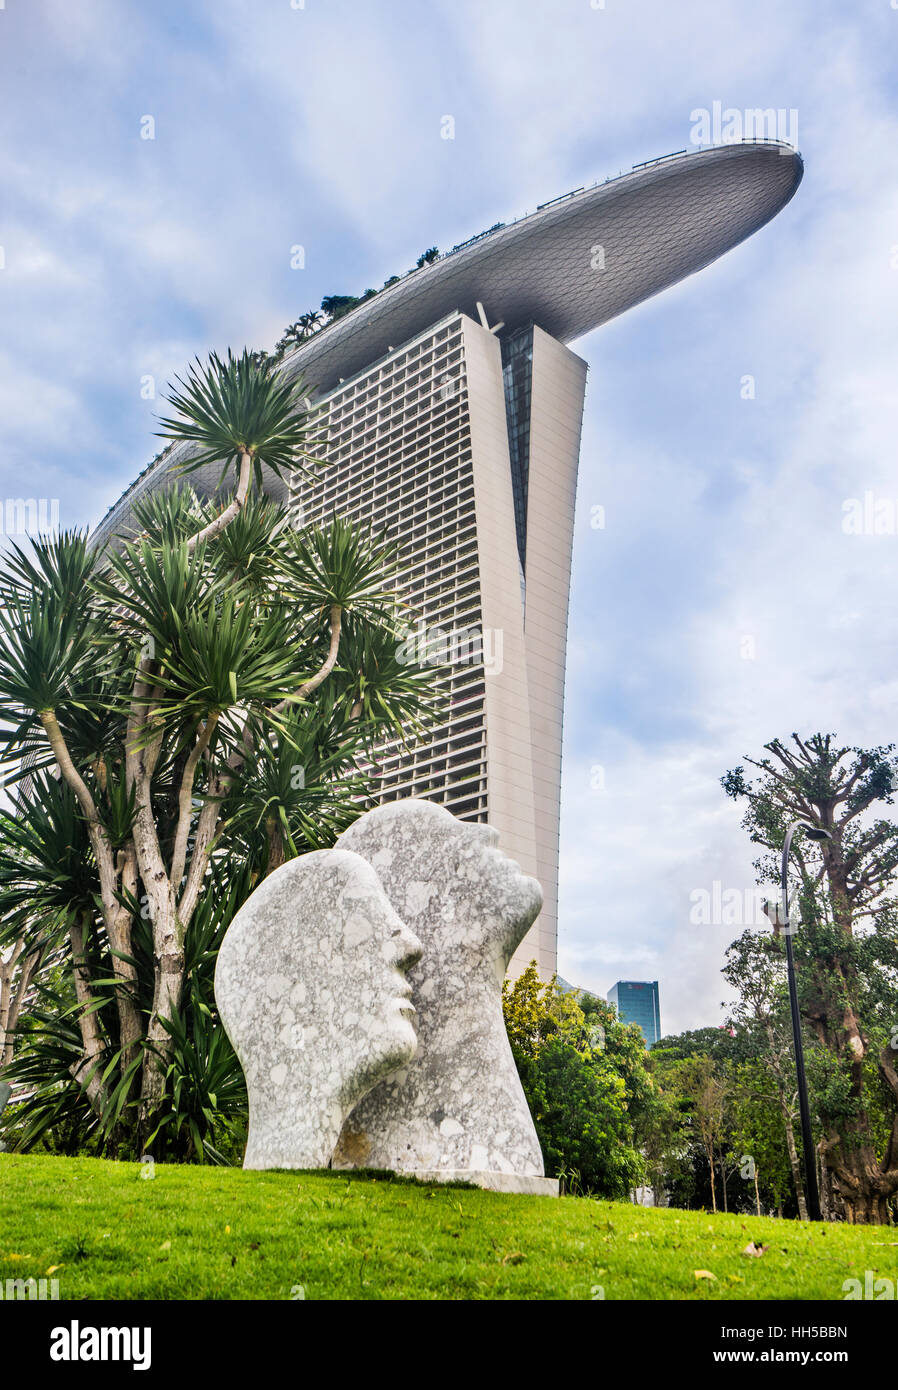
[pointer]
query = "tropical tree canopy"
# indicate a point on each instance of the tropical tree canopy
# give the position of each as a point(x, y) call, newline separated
point(845, 946)
point(182, 713)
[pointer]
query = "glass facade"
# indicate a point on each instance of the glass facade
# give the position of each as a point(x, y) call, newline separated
point(637, 1001)
point(396, 442)
point(517, 372)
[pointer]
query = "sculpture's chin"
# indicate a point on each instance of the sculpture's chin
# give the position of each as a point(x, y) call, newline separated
point(404, 1041)
point(516, 895)
point(522, 907)
point(530, 897)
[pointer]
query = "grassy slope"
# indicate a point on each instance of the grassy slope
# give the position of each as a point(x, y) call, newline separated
point(221, 1233)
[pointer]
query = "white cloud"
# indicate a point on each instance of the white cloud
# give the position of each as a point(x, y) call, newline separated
point(321, 126)
point(769, 560)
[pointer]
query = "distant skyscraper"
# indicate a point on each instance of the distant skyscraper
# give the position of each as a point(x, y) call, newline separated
point(449, 409)
point(637, 1001)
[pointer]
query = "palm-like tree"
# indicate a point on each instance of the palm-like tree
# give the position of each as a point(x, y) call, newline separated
point(240, 414)
point(172, 685)
point(46, 888)
point(310, 322)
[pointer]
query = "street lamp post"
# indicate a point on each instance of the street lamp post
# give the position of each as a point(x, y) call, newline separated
point(813, 832)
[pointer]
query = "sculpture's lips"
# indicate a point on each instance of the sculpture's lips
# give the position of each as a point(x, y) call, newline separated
point(404, 999)
point(506, 860)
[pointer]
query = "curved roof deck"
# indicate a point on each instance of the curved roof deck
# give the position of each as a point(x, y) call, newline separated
point(661, 222)
point(655, 225)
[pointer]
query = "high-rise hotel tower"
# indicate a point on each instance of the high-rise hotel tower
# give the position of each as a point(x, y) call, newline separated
point(449, 408)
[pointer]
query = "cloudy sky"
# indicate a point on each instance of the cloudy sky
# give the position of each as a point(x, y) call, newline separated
point(723, 603)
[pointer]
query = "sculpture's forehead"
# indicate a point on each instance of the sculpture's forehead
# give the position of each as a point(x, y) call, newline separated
point(384, 834)
point(439, 840)
point(351, 935)
point(310, 899)
point(330, 875)
point(403, 817)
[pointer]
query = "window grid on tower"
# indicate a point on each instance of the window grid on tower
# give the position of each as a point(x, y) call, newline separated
point(395, 453)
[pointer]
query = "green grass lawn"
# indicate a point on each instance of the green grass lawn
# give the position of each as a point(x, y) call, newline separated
point(216, 1233)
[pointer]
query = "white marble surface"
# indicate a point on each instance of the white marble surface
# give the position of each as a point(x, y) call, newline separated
point(458, 1107)
point(312, 989)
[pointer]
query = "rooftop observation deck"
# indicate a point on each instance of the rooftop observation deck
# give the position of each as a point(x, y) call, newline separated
point(662, 221)
point(570, 266)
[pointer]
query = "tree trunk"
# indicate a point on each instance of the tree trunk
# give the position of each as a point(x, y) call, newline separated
point(244, 478)
point(168, 935)
point(794, 1164)
point(713, 1186)
point(276, 852)
point(867, 1208)
point(865, 1190)
point(29, 964)
point(89, 1071)
point(168, 963)
point(130, 1022)
point(7, 971)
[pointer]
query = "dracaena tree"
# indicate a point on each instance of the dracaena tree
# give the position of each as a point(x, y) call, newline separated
point(184, 712)
point(846, 947)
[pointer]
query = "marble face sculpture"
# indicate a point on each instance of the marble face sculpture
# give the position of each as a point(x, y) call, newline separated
point(458, 1108)
point(312, 990)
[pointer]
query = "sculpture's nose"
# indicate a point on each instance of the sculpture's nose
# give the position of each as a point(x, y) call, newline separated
point(408, 947)
point(485, 833)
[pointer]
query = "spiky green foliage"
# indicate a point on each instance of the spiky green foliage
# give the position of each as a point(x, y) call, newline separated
point(235, 405)
point(204, 1109)
point(46, 643)
point(204, 1106)
point(47, 1108)
point(182, 679)
point(45, 869)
